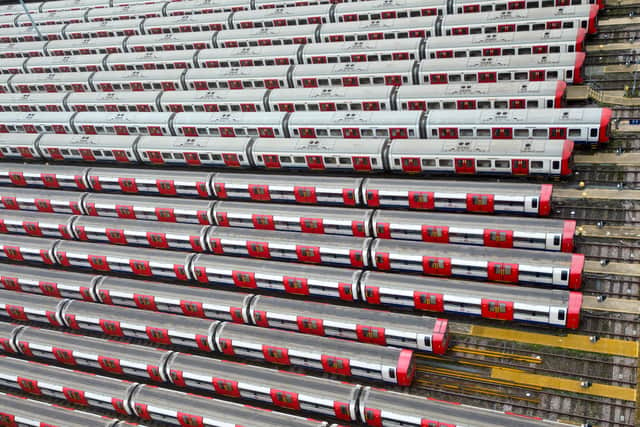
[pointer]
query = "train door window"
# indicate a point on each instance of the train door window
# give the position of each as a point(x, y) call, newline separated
point(448, 133)
point(465, 166)
point(436, 78)
point(537, 75)
point(516, 103)
point(502, 133)
point(559, 133)
point(487, 77)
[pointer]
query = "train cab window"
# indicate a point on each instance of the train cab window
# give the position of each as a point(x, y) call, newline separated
point(561, 314)
point(502, 164)
point(593, 133)
point(555, 164)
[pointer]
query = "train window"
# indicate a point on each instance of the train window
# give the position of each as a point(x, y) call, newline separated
point(508, 51)
point(555, 49)
point(449, 105)
point(470, 77)
point(522, 75)
point(483, 163)
point(445, 163)
point(573, 133)
point(539, 133)
point(486, 8)
point(477, 30)
point(287, 159)
point(455, 78)
point(461, 54)
point(330, 160)
point(552, 74)
point(524, 133)
point(433, 105)
point(555, 164)
point(504, 76)
point(475, 53)
point(484, 104)
point(534, 104)
point(466, 132)
point(324, 132)
point(536, 164)
point(344, 160)
point(428, 162)
point(502, 164)
point(592, 133)
point(483, 132)
point(367, 132)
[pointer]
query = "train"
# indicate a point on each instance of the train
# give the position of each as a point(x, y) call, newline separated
point(533, 68)
point(553, 307)
point(106, 55)
point(329, 355)
point(425, 334)
point(292, 391)
point(150, 19)
point(506, 95)
point(581, 125)
point(495, 264)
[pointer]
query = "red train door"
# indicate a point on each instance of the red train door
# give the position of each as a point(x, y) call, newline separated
point(465, 166)
point(520, 167)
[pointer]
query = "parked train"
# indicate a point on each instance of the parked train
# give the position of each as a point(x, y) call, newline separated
point(505, 95)
point(230, 30)
point(425, 195)
point(508, 303)
point(581, 125)
point(18, 411)
point(104, 55)
point(296, 392)
point(430, 258)
point(330, 355)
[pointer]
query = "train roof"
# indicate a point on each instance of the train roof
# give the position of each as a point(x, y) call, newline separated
point(364, 118)
point(243, 179)
point(233, 118)
point(447, 413)
point(97, 26)
point(267, 33)
point(32, 98)
point(204, 96)
point(253, 52)
point(116, 12)
point(129, 58)
point(224, 412)
point(262, 15)
point(135, 75)
point(94, 141)
point(35, 411)
point(34, 275)
point(504, 38)
point(517, 15)
point(332, 94)
point(502, 189)
point(85, 43)
point(383, 5)
point(352, 68)
point(358, 46)
point(474, 147)
point(45, 30)
point(72, 4)
point(208, 367)
point(10, 48)
point(32, 194)
point(35, 117)
point(138, 97)
point(462, 290)
point(48, 61)
point(192, 144)
point(528, 117)
point(285, 210)
point(190, 6)
point(17, 139)
point(268, 71)
point(525, 62)
point(422, 22)
point(328, 146)
point(191, 19)
point(109, 118)
point(39, 305)
point(137, 201)
point(502, 89)
point(63, 16)
point(170, 257)
point(149, 174)
point(51, 78)
point(169, 38)
point(16, 8)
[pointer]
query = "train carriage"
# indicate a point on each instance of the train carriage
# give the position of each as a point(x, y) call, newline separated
point(305, 219)
point(378, 29)
point(29, 122)
point(374, 327)
point(139, 233)
point(36, 250)
point(503, 95)
point(37, 224)
point(187, 7)
point(65, 64)
point(482, 157)
point(479, 263)
point(395, 73)
point(282, 16)
point(186, 23)
point(157, 328)
point(493, 69)
point(515, 303)
point(342, 251)
point(18, 146)
point(248, 100)
point(52, 82)
point(23, 307)
point(334, 356)
point(361, 155)
point(521, 20)
point(581, 125)
point(21, 49)
point(184, 300)
point(85, 148)
point(118, 28)
point(34, 412)
point(111, 357)
point(86, 46)
point(268, 36)
point(66, 202)
point(265, 125)
point(269, 77)
point(568, 40)
point(140, 101)
point(160, 60)
point(200, 151)
point(28, 34)
point(149, 208)
point(171, 41)
point(280, 388)
point(74, 387)
point(325, 190)
point(186, 409)
point(473, 6)
point(137, 80)
point(482, 230)
point(249, 56)
point(130, 123)
point(121, 13)
point(387, 9)
point(295, 279)
point(12, 65)
point(370, 98)
point(148, 181)
point(355, 125)
point(58, 283)
point(531, 199)
point(109, 258)
point(33, 101)
point(362, 51)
